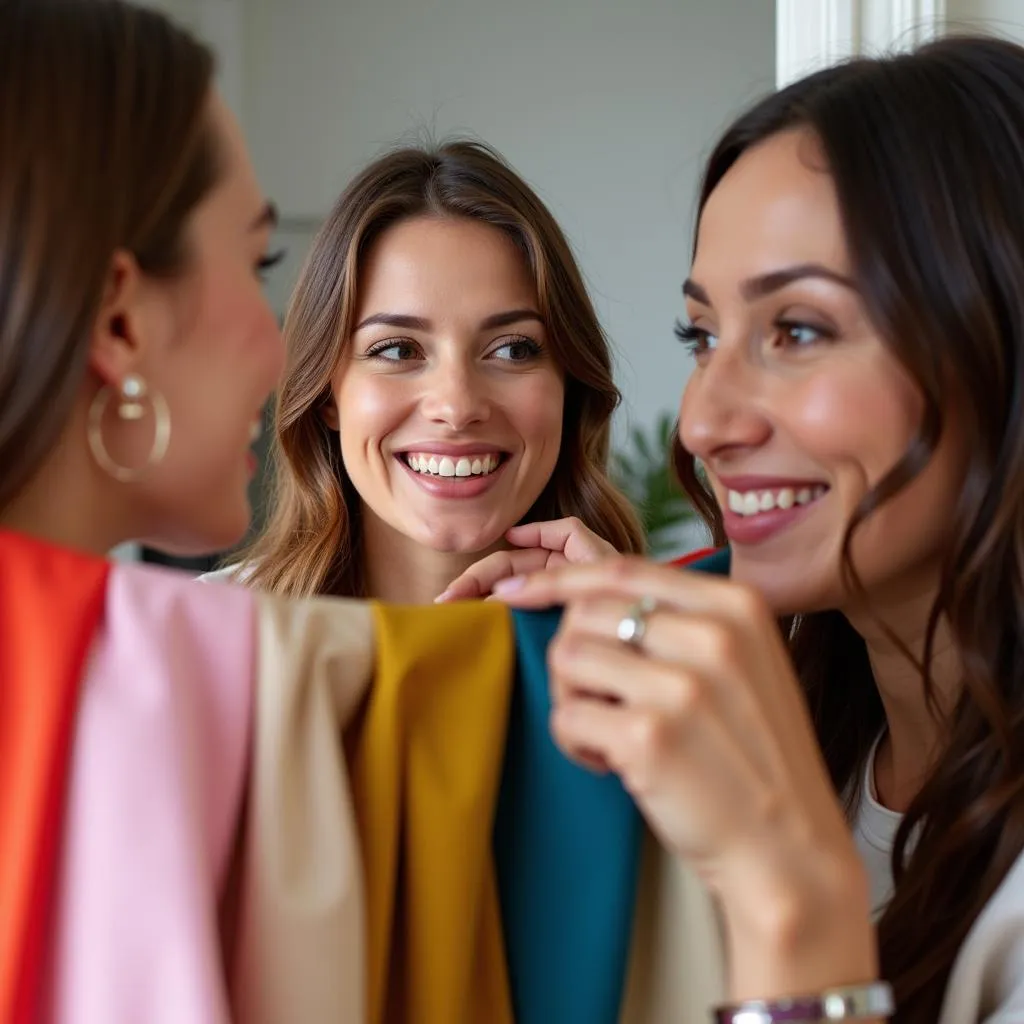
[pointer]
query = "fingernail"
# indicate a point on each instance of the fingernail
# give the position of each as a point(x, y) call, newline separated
point(442, 597)
point(509, 585)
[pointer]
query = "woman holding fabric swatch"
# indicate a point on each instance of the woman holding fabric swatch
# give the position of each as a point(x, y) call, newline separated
point(447, 379)
point(855, 315)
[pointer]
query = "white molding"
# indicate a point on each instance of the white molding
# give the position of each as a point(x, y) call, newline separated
point(222, 25)
point(899, 24)
point(811, 34)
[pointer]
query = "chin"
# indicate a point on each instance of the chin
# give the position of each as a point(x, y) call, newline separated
point(786, 593)
point(452, 541)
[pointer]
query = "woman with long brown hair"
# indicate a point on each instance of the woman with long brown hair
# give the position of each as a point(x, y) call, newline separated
point(136, 344)
point(447, 379)
point(855, 314)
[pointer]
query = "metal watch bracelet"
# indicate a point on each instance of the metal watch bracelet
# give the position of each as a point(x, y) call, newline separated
point(852, 1003)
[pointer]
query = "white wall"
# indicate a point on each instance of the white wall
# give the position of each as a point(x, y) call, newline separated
point(184, 11)
point(605, 106)
point(1001, 17)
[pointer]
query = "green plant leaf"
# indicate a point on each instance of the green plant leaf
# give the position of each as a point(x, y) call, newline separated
point(641, 469)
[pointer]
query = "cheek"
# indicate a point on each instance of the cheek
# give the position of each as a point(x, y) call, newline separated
point(535, 410)
point(238, 332)
point(855, 422)
point(369, 408)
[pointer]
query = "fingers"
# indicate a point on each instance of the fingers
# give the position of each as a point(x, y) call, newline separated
point(702, 643)
point(479, 579)
point(569, 536)
point(542, 546)
point(610, 671)
point(633, 579)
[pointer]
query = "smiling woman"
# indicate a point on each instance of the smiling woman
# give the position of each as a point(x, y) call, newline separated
point(850, 786)
point(447, 379)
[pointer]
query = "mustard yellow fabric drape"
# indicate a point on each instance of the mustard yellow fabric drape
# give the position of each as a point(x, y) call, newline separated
point(426, 765)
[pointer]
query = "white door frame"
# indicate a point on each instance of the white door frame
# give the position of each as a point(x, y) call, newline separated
point(810, 34)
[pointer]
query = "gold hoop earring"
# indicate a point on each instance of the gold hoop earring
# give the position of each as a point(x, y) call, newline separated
point(133, 391)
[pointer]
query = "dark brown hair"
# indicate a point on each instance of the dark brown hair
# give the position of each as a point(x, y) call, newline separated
point(312, 543)
point(926, 151)
point(104, 145)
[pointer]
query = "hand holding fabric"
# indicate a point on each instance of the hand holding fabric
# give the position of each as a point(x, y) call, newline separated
point(704, 721)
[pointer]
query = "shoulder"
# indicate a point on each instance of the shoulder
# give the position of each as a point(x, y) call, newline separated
point(987, 979)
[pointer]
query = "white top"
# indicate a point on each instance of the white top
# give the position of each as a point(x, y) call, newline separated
point(986, 983)
point(229, 574)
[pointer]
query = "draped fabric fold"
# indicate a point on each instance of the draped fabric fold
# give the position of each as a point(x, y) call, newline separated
point(49, 610)
point(158, 765)
point(425, 769)
point(567, 846)
point(217, 805)
point(300, 936)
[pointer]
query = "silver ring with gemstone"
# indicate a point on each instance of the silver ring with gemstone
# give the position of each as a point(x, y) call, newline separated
point(633, 625)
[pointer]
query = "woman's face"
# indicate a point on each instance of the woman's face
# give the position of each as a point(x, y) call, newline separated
point(447, 399)
point(218, 355)
point(796, 406)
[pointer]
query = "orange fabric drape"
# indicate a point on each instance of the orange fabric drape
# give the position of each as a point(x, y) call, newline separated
point(51, 602)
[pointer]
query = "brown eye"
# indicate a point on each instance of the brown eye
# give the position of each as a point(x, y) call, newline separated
point(400, 351)
point(518, 350)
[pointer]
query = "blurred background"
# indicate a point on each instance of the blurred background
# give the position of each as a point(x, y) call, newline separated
point(606, 107)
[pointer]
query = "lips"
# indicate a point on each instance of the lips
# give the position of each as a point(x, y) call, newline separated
point(758, 508)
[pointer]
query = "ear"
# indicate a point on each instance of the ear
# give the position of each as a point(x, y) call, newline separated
point(329, 411)
point(119, 337)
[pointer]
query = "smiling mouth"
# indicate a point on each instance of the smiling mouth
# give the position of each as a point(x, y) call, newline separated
point(752, 503)
point(452, 467)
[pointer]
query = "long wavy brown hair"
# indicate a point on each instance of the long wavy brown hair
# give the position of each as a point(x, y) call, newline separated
point(312, 543)
point(927, 154)
point(105, 144)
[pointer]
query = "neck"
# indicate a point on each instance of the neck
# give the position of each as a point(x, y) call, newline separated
point(403, 571)
point(915, 733)
point(69, 501)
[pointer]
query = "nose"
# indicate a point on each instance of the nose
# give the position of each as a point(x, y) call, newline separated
point(722, 407)
point(454, 395)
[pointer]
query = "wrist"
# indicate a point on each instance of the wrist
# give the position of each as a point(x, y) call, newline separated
point(804, 929)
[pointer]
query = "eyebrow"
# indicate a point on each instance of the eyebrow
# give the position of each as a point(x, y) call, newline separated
point(416, 323)
point(765, 284)
point(266, 218)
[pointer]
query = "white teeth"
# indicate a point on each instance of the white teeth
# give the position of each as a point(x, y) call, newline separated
point(446, 466)
point(750, 503)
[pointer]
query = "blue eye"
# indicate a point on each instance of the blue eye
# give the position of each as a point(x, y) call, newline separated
point(696, 339)
point(518, 350)
point(394, 351)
